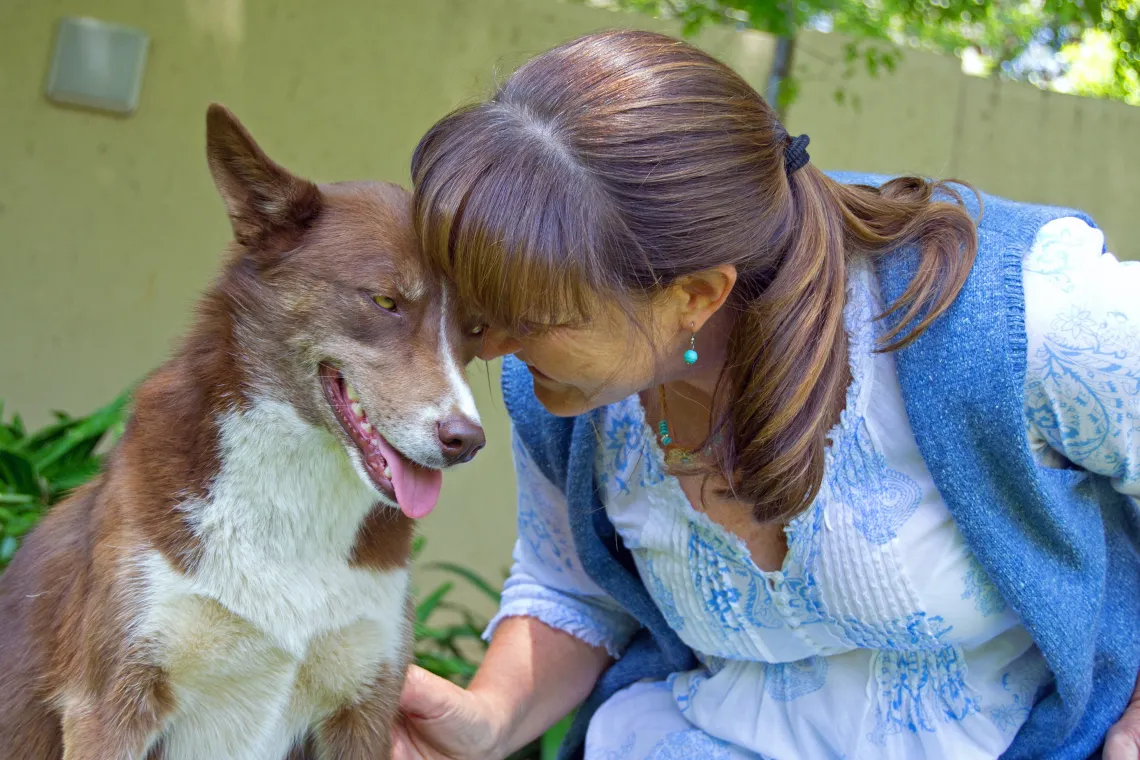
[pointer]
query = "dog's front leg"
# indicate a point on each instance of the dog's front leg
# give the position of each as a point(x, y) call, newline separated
point(93, 735)
point(120, 724)
point(362, 730)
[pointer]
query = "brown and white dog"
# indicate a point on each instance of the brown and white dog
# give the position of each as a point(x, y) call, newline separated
point(235, 584)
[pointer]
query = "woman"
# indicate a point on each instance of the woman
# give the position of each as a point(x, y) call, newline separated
point(805, 530)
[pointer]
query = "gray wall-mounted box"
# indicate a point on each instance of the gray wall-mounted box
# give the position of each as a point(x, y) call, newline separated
point(97, 65)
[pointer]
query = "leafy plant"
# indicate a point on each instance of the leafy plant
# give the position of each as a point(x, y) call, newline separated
point(38, 468)
point(452, 649)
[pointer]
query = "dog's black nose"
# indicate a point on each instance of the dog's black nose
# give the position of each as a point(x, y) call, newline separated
point(460, 439)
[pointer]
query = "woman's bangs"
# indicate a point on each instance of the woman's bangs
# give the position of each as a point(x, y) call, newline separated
point(501, 234)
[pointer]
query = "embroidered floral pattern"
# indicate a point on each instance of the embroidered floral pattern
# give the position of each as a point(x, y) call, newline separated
point(734, 591)
point(916, 633)
point(987, 599)
point(787, 681)
point(690, 744)
point(1053, 252)
point(694, 679)
point(1083, 392)
point(624, 752)
point(880, 498)
point(1021, 682)
point(917, 690)
point(627, 451)
point(538, 519)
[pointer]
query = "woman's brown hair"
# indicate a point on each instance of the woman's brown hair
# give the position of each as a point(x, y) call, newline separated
point(616, 163)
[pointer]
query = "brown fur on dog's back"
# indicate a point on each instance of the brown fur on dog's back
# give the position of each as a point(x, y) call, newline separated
point(90, 669)
point(47, 575)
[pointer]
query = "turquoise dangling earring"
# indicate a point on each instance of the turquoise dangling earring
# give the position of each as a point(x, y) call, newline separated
point(691, 355)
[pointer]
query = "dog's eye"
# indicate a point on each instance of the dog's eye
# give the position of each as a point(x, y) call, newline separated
point(385, 303)
point(478, 329)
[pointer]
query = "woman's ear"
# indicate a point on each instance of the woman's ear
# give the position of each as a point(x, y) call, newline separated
point(701, 294)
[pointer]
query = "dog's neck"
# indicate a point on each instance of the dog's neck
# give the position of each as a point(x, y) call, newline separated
point(284, 488)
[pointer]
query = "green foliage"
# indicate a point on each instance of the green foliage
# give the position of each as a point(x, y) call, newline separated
point(450, 649)
point(998, 32)
point(38, 468)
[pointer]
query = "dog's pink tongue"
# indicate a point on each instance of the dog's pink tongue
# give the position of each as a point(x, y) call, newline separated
point(417, 488)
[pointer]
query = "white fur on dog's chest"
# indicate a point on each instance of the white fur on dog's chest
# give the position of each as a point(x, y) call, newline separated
point(240, 695)
point(274, 627)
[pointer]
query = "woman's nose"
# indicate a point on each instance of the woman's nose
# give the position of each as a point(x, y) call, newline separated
point(497, 343)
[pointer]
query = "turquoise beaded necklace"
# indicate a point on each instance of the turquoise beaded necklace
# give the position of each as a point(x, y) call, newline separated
point(675, 455)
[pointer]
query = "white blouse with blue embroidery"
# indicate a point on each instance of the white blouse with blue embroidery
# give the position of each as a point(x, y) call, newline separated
point(881, 637)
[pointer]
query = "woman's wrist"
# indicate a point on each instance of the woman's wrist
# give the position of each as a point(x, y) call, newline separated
point(531, 676)
point(502, 715)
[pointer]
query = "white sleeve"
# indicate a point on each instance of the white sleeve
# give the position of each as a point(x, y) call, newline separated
point(1082, 318)
point(547, 580)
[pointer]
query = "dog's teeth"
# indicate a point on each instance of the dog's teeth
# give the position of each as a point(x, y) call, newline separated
point(388, 473)
point(351, 393)
point(366, 426)
point(357, 410)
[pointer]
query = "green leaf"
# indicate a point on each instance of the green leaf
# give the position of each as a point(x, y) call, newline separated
point(872, 63)
point(74, 477)
point(19, 474)
point(8, 547)
point(469, 576)
point(47, 434)
point(422, 632)
point(91, 427)
point(446, 667)
point(444, 635)
point(428, 605)
point(21, 524)
point(789, 88)
point(552, 739)
point(418, 544)
point(14, 498)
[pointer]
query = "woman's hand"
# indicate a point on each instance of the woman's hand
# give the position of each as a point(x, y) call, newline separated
point(441, 721)
point(1123, 741)
point(515, 696)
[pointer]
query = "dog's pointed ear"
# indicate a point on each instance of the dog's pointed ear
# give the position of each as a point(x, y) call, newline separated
point(262, 197)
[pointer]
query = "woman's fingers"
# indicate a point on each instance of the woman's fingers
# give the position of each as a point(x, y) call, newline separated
point(1123, 740)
